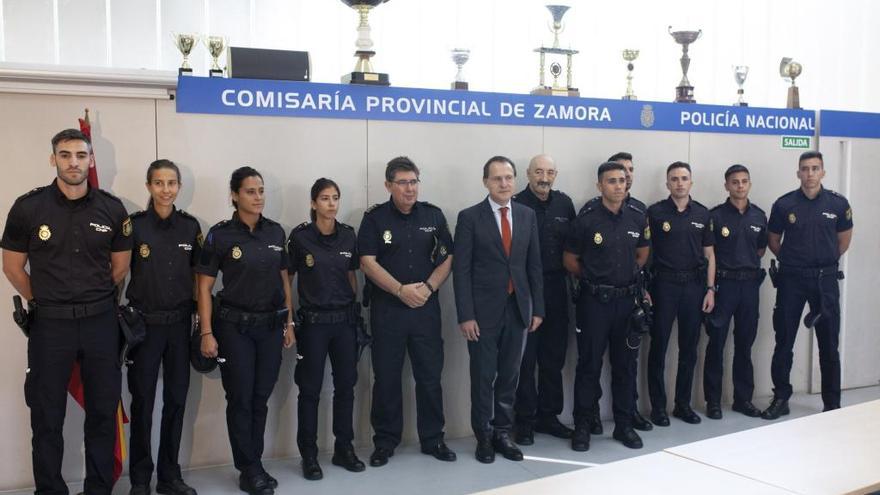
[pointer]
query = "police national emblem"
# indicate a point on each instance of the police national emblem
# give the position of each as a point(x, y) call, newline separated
point(386, 236)
point(44, 234)
point(597, 238)
point(144, 251)
point(310, 260)
point(792, 218)
point(236, 252)
point(666, 227)
point(647, 116)
point(725, 232)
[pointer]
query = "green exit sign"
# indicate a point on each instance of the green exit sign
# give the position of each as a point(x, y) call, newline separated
point(796, 142)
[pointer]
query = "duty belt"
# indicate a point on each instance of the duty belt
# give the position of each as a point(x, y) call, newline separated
point(245, 318)
point(167, 317)
point(825, 271)
point(75, 311)
point(741, 274)
point(326, 317)
point(680, 276)
point(608, 292)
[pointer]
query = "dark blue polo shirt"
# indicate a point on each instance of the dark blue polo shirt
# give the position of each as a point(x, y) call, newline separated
point(809, 227)
point(679, 237)
point(554, 219)
point(738, 236)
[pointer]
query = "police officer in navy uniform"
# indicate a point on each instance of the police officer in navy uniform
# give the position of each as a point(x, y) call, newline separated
point(638, 421)
point(537, 407)
point(810, 229)
point(167, 242)
point(683, 288)
point(740, 230)
point(77, 240)
point(406, 255)
point(607, 247)
point(323, 259)
point(249, 321)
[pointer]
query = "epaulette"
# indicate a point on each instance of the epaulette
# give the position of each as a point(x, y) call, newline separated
point(187, 215)
point(636, 208)
point(790, 193)
point(109, 195)
point(431, 205)
point(269, 221)
point(301, 227)
point(31, 192)
point(345, 225)
point(720, 205)
point(698, 203)
point(656, 203)
point(836, 194)
point(138, 213)
point(371, 208)
point(221, 223)
point(753, 205)
point(589, 205)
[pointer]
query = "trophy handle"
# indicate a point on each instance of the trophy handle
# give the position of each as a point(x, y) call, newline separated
point(699, 34)
point(669, 29)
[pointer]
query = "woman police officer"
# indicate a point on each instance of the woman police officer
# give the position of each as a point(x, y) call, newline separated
point(249, 321)
point(323, 259)
point(166, 246)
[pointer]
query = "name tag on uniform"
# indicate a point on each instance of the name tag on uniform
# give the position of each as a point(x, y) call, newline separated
point(832, 216)
point(100, 228)
point(275, 248)
point(345, 253)
point(186, 247)
point(698, 225)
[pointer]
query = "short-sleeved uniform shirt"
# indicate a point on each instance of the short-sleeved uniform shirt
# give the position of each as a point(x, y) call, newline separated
point(629, 200)
point(251, 263)
point(162, 259)
point(322, 263)
point(554, 218)
point(408, 246)
point(606, 243)
point(678, 237)
point(738, 236)
point(68, 243)
point(810, 227)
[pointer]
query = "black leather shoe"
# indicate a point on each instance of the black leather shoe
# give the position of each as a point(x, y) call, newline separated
point(176, 487)
point(273, 483)
point(686, 414)
point(554, 427)
point(660, 418)
point(524, 434)
point(595, 422)
point(380, 456)
point(139, 490)
point(346, 458)
point(580, 439)
point(440, 451)
point(628, 437)
point(746, 408)
point(505, 446)
point(640, 423)
point(830, 408)
point(485, 451)
point(713, 410)
point(311, 469)
point(777, 408)
point(255, 485)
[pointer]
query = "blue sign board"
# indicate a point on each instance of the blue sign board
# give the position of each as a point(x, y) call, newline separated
point(349, 101)
point(849, 124)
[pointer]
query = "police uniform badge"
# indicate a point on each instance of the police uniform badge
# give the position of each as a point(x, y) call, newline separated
point(666, 227)
point(236, 252)
point(386, 236)
point(44, 234)
point(725, 231)
point(126, 227)
point(792, 218)
point(597, 238)
point(144, 251)
point(310, 260)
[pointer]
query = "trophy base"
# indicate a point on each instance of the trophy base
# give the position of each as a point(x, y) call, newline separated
point(629, 97)
point(551, 91)
point(184, 72)
point(684, 94)
point(459, 85)
point(741, 104)
point(215, 73)
point(372, 78)
point(794, 98)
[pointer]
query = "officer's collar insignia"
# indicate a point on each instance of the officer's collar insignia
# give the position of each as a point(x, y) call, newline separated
point(597, 238)
point(386, 236)
point(792, 218)
point(126, 227)
point(236, 252)
point(44, 233)
point(310, 260)
point(144, 251)
point(666, 227)
point(725, 231)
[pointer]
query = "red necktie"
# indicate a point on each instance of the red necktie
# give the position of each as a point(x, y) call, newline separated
point(506, 241)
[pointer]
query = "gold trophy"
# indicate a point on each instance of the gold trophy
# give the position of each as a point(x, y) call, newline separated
point(630, 56)
point(185, 43)
point(557, 11)
point(789, 70)
point(215, 46)
point(363, 72)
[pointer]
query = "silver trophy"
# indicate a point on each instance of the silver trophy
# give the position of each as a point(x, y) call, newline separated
point(185, 43)
point(557, 27)
point(460, 56)
point(557, 11)
point(215, 45)
point(789, 70)
point(630, 56)
point(684, 92)
point(739, 75)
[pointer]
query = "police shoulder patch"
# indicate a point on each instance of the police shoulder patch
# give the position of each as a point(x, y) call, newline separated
point(126, 227)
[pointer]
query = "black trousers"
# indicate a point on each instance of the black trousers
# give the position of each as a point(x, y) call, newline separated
point(396, 331)
point(792, 294)
point(737, 299)
point(53, 347)
point(314, 342)
point(682, 301)
point(604, 326)
point(253, 360)
point(494, 369)
point(545, 349)
point(167, 345)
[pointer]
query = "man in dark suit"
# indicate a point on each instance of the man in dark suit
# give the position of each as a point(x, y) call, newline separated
point(498, 280)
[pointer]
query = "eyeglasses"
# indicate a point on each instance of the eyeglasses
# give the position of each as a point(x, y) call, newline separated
point(404, 183)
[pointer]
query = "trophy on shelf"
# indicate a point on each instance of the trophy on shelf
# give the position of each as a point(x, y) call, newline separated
point(789, 70)
point(215, 46)
point(739, 75)
point(363, 72)
point(630, 56)
point(185, 43)
point(684, 92)
point(557, 11)
point(460, 56)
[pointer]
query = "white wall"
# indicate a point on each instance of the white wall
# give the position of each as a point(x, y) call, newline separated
point(835, 41)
